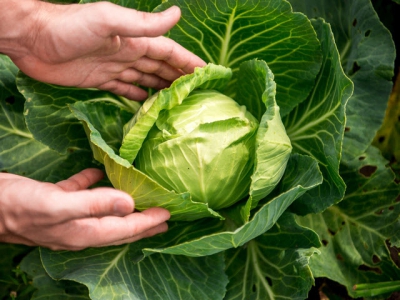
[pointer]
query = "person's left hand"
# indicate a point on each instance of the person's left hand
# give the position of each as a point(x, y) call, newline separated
point(103, 45)
point(68, 216)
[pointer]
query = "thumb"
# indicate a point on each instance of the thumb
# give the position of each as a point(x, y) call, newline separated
point(134, 23)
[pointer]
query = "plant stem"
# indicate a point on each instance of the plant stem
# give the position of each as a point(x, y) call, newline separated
point(375, 289)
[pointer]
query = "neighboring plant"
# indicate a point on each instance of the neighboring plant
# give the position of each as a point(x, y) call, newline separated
point(263, 158)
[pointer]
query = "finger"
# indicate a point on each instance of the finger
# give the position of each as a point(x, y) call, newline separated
point(94, 232)
point(144, 79)
point(128, 90)
point(134, 23)
point(98, 202)
point(157, 67)
point(163, 227)
point(81, 180)
point(165, 49)
point(112, 231)
point(5, 175)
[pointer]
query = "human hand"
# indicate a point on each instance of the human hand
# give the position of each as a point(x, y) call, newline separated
point(68, 216)
point(102, 45)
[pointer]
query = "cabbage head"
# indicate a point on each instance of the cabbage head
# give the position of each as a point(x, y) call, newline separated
point(201, 145)
point(205, 146)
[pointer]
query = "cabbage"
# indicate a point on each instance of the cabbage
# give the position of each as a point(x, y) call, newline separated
point(201, 143)
point(205, 146)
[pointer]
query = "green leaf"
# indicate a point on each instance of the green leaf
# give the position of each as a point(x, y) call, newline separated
point(20, 152)
point(48, 116)
point(109, 119)
point(358, 32)
point(112, 273)
point(295, 184)
point(317, 125)
point(48, 288)
point(230, 32)
point(256, 90)
point(355, 231)
point(209, 77)
point(274, 265)
point(11, 278)
point(146, 192)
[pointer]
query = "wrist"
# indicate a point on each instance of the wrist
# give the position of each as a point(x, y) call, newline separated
point(19, 22)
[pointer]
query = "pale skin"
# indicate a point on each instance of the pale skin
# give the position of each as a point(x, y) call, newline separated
point(98, 45)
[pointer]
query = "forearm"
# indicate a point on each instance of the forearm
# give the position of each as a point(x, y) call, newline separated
point(18, 25)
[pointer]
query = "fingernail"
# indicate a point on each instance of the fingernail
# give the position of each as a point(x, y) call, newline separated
point(171, 10)
point(121, 207)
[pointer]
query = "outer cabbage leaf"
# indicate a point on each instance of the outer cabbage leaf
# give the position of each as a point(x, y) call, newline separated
point(256, 90)
point(10, 279)
point(230, 32)
point(274, 265)
point(355, 231)
point(358, 32)
point(119, 273)
point(20, 152)
point(48, 116)
point(316, 126)
point(47, 287)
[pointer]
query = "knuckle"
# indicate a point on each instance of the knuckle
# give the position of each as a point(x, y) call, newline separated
point(102, 11)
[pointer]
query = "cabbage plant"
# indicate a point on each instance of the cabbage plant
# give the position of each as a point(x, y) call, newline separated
point(264, 158)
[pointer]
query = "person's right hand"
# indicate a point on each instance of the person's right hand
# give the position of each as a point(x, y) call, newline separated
point(68, 216)
point(101, 45)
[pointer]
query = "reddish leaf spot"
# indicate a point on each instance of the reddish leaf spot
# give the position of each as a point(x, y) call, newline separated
point(370, 269)
point(367, 170)
point(376, 259)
